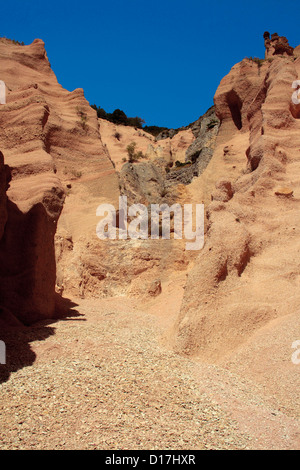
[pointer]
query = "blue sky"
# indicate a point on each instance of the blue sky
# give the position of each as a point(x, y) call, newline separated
point(161, 60)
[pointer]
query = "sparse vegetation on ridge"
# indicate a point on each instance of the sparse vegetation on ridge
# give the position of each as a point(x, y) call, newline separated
point(257, 60)
point(14, 41)
point(155, 130)
point(119, 117)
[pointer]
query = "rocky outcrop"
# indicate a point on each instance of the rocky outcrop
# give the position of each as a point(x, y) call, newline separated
point(205, 130)
point(51, 142)
point(161, 176)
point(277, 45)
point(143, 183)
point(200, 152)
point(250, 254)
point(235, 95)
point(116, 139)
point(183, 174)
point(166, 134)
point(27, 255)
point(34, 200)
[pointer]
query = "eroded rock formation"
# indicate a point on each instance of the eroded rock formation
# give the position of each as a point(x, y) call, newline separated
point(46, 134)
point(277, 45)
point(27, 255)
point(250, 255)
point(32, 205)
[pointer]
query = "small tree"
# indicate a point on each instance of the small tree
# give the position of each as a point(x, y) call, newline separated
point(134, 156)
point(136, 122)
point(131, 152)
point(118, 117)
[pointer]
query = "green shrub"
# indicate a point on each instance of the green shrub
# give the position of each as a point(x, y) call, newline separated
point(119, 117)
point(134, 156)
point(257, 60)
point(101, 113)
point(154, 130)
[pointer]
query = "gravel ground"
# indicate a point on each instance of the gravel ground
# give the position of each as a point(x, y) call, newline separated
point(103, 380)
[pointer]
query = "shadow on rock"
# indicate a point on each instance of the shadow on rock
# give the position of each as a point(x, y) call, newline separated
point(17, 337)
point(65, 309)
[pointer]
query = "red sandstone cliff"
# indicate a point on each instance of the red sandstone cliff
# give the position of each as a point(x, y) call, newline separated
point(48, 137)
point(247, 275)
